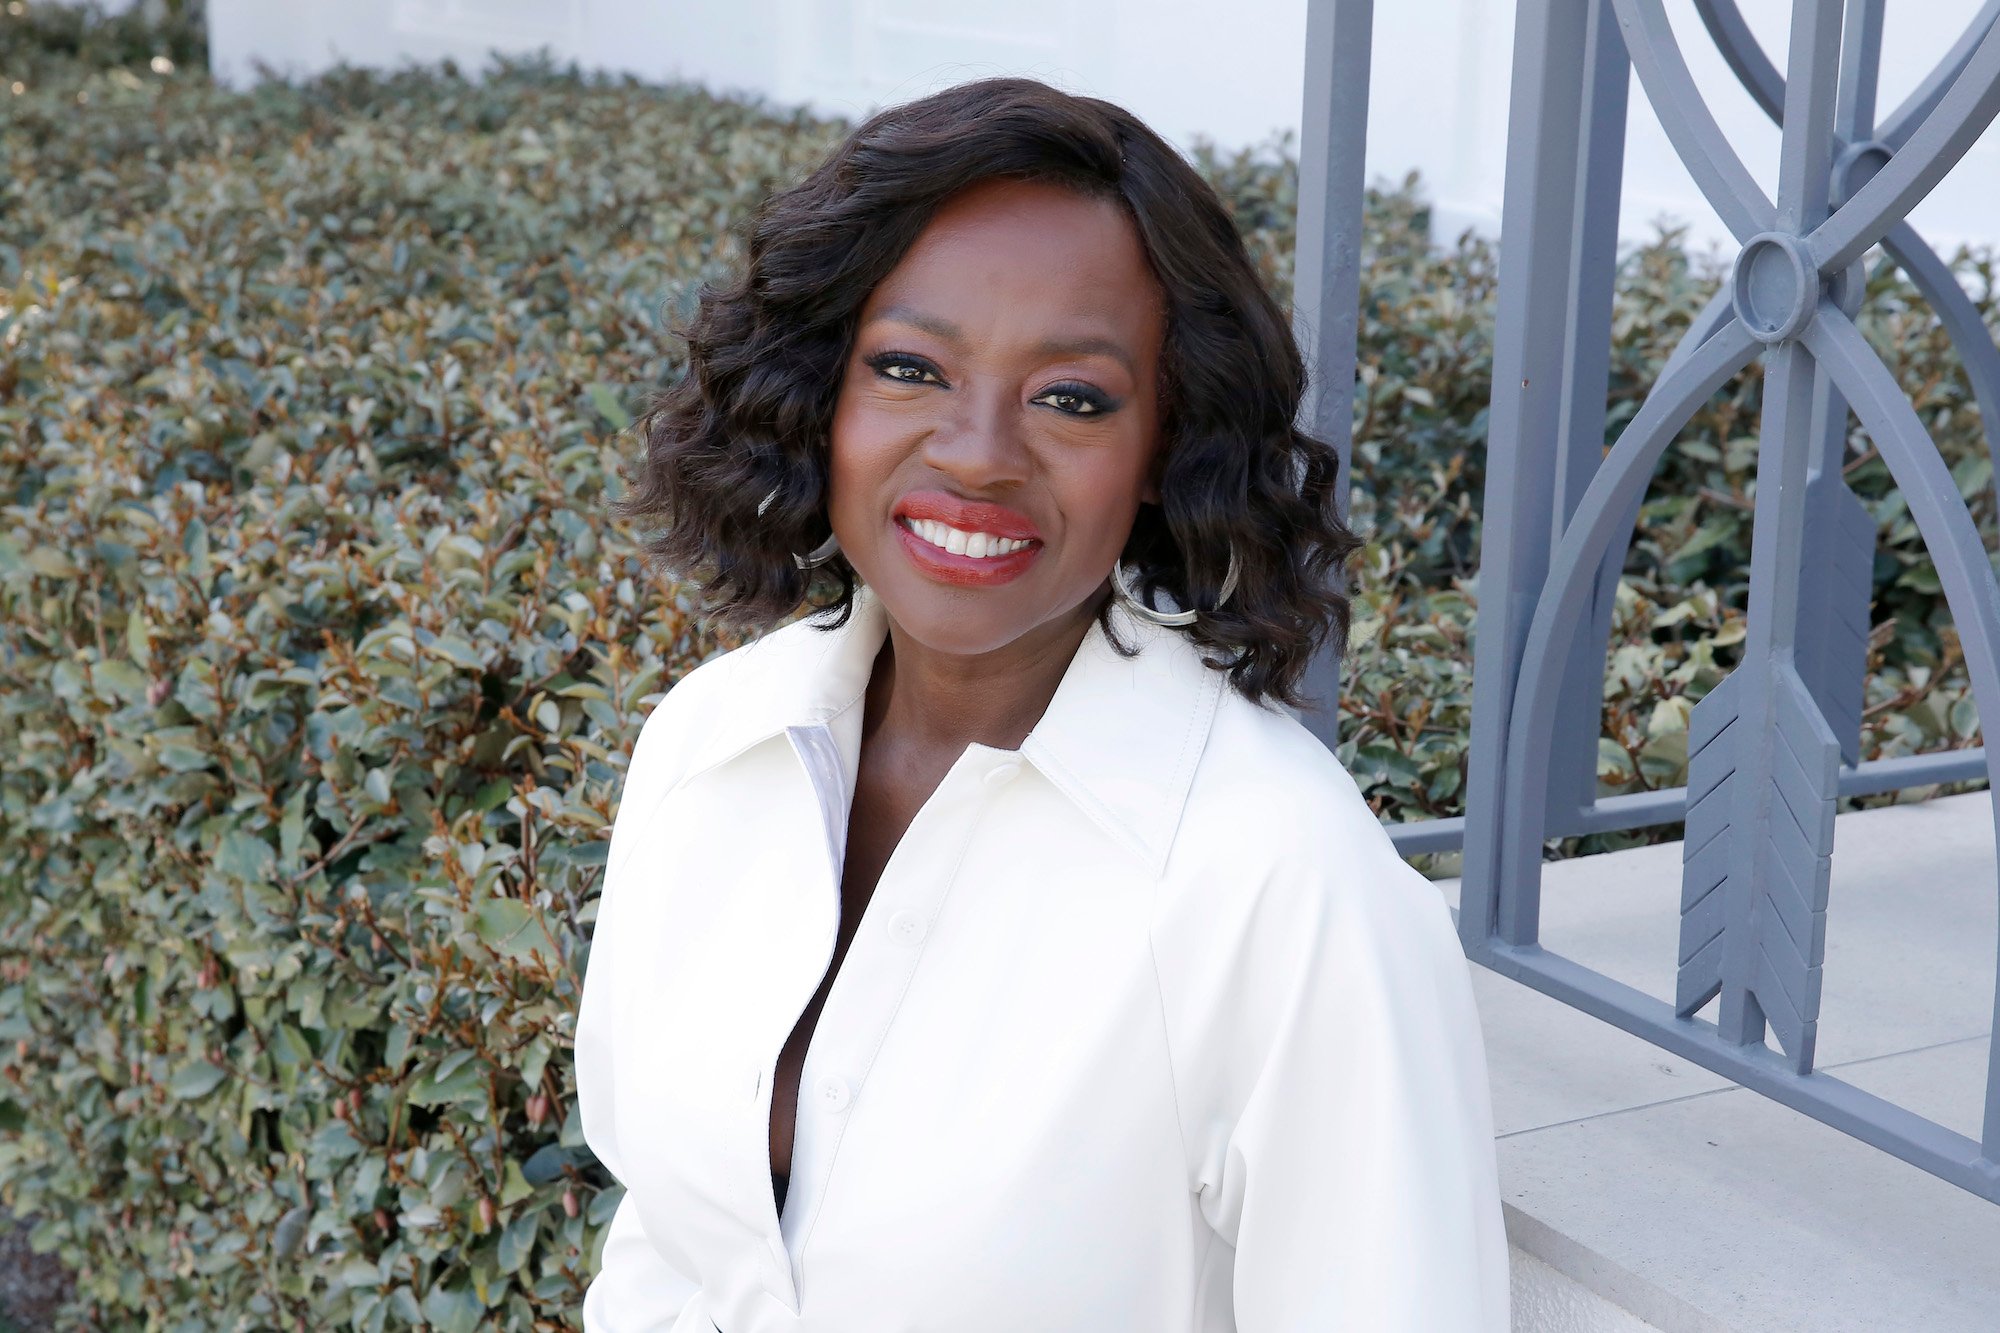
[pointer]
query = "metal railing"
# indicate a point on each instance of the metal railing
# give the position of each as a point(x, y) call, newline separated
point(1777, 742)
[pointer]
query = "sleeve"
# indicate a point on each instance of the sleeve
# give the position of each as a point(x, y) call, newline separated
point(635, 1289)
point(1336, 1102)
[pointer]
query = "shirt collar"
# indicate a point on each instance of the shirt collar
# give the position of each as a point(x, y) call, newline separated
point(1120, 738)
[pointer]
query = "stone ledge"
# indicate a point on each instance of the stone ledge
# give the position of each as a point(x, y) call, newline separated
point(1686, 1203)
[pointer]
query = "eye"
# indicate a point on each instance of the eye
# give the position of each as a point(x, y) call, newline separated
point(1077, 400)
point(904, 368)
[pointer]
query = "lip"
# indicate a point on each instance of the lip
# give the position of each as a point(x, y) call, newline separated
point(968, 515)
point(963, 571)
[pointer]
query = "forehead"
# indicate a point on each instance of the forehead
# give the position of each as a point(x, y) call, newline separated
point(1014, 252)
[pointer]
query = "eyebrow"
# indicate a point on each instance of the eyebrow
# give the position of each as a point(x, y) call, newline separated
point(1054, 347)
point(917, 319)
point(1049, 347)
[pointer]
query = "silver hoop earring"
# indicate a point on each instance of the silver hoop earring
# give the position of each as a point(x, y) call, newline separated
point(819, 555)
point(1188, 617)
point(822, 553)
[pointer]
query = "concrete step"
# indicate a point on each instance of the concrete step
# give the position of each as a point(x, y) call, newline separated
point(1644, 1191)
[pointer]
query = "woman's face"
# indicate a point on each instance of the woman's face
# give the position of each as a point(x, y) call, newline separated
point(1001, 399)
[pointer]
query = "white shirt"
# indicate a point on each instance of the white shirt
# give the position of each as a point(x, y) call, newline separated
point(1147, 1026)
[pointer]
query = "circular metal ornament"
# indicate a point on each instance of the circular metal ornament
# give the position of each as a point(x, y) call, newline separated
point(1775, 288)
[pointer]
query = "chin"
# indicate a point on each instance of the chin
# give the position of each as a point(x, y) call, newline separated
point(962, 622)
point(969, 622)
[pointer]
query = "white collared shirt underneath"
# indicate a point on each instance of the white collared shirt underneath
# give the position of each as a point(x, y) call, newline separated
point(1146, 1027)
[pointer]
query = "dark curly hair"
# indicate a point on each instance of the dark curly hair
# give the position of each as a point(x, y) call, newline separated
point(750, 422)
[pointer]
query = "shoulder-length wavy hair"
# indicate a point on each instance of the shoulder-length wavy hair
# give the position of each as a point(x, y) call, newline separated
point(735, 460)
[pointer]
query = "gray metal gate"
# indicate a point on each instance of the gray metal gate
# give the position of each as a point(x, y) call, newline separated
point(1773, 746)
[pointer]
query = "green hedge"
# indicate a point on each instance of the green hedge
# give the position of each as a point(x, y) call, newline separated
point(320, 657)
point(319, 665)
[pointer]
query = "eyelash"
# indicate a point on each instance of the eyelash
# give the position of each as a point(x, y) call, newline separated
point(1099, 402)
point(881, 361)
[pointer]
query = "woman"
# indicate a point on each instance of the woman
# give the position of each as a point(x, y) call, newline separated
point(992, 949)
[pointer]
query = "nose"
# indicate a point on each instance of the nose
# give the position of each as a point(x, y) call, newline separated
point(981, 443)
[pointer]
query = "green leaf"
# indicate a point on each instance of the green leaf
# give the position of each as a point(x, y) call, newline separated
point(196, 1079)
point(404, 1302)
point(246, 857)
point(550, 1162)
point(335, 1142)
point(1613, 764)
point(396, 1050)
point(457, 652)
point(604, 398)
point(451, 1308)
point(183, 758)
point(289, 1046)
point(508, 926)
point(464, 1085)
point(120, 679)
point(292, 828)
point(51, 563)
point(139, 637)
point(517, 1241)
point(514, 1186)
point(359, 1272)
point(290, 1231)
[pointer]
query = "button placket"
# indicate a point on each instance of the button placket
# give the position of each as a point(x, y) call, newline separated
point(861, 1007)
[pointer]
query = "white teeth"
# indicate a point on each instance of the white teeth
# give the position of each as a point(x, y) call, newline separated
point(981, 545)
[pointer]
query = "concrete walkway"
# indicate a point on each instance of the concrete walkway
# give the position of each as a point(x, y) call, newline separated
point(1693, 1204)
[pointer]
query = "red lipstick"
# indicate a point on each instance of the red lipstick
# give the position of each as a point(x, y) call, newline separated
point(968, 515)
point(965, 571)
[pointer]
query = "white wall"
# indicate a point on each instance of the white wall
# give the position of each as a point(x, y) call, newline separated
point(1231, 73)
point(1165, 59)
point(1453, 125)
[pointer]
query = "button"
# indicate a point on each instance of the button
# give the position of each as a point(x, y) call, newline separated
point(1002, 773)
point(833, 1093)
point(907, 927)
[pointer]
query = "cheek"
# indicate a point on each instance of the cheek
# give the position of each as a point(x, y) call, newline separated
point(860, 450)
point(1103, 501)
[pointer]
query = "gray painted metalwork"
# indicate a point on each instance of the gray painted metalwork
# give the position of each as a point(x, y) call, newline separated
point(1326, 274)
point(1776, 744)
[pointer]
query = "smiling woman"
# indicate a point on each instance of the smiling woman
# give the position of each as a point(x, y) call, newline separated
point(993, 949)
point(1040, 385)
point(1131, 270)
